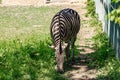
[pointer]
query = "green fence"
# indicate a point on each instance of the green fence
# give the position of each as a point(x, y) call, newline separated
point(103, 7)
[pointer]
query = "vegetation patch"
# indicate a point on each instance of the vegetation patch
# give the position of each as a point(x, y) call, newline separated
point(90, 8)
point(33, 60)
point(24, 44)
point(103, 51)
point(103, 59)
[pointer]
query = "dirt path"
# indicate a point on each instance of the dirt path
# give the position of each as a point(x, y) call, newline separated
point(80, 70)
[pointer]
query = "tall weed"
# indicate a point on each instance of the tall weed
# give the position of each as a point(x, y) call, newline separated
point(90, 8)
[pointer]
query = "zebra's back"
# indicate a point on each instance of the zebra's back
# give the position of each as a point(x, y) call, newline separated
point(65, 25)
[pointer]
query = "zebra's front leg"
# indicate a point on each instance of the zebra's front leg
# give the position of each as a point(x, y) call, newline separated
point(72, 48)
point(67, 51)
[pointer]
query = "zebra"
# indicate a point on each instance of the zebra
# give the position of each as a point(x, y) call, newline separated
point(63, 30)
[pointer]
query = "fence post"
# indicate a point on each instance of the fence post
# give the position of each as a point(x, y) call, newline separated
point(118, 42)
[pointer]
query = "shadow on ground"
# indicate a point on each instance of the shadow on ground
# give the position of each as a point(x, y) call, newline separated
point(80, 69)
point(90, 59)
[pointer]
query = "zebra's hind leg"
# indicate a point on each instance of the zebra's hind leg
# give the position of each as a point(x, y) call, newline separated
point(72, 48)
point(67, 51)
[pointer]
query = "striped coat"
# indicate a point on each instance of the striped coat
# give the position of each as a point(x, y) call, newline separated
point(64, 28)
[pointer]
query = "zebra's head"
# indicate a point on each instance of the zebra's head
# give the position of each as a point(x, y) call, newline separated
point(59, 57)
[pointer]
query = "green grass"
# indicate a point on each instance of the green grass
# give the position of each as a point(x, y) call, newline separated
point(103, 51)
point(90, 8)
point(25, 20)
point(26, 16)
point(24, 40)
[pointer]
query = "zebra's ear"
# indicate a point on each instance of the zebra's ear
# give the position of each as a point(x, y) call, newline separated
point(52, 46)
point(64, 46)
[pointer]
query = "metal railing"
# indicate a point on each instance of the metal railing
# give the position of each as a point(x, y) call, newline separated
point(112, 29)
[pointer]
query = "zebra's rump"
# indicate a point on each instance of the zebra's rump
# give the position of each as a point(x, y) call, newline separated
point(65, 25)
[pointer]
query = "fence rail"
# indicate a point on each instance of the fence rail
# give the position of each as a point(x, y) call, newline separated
point(112, 29)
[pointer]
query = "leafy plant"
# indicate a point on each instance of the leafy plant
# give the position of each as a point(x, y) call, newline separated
point(114, 15)
point(90, 8)
point(115, 1)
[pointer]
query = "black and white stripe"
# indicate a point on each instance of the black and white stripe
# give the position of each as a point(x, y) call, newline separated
point(65, 25)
